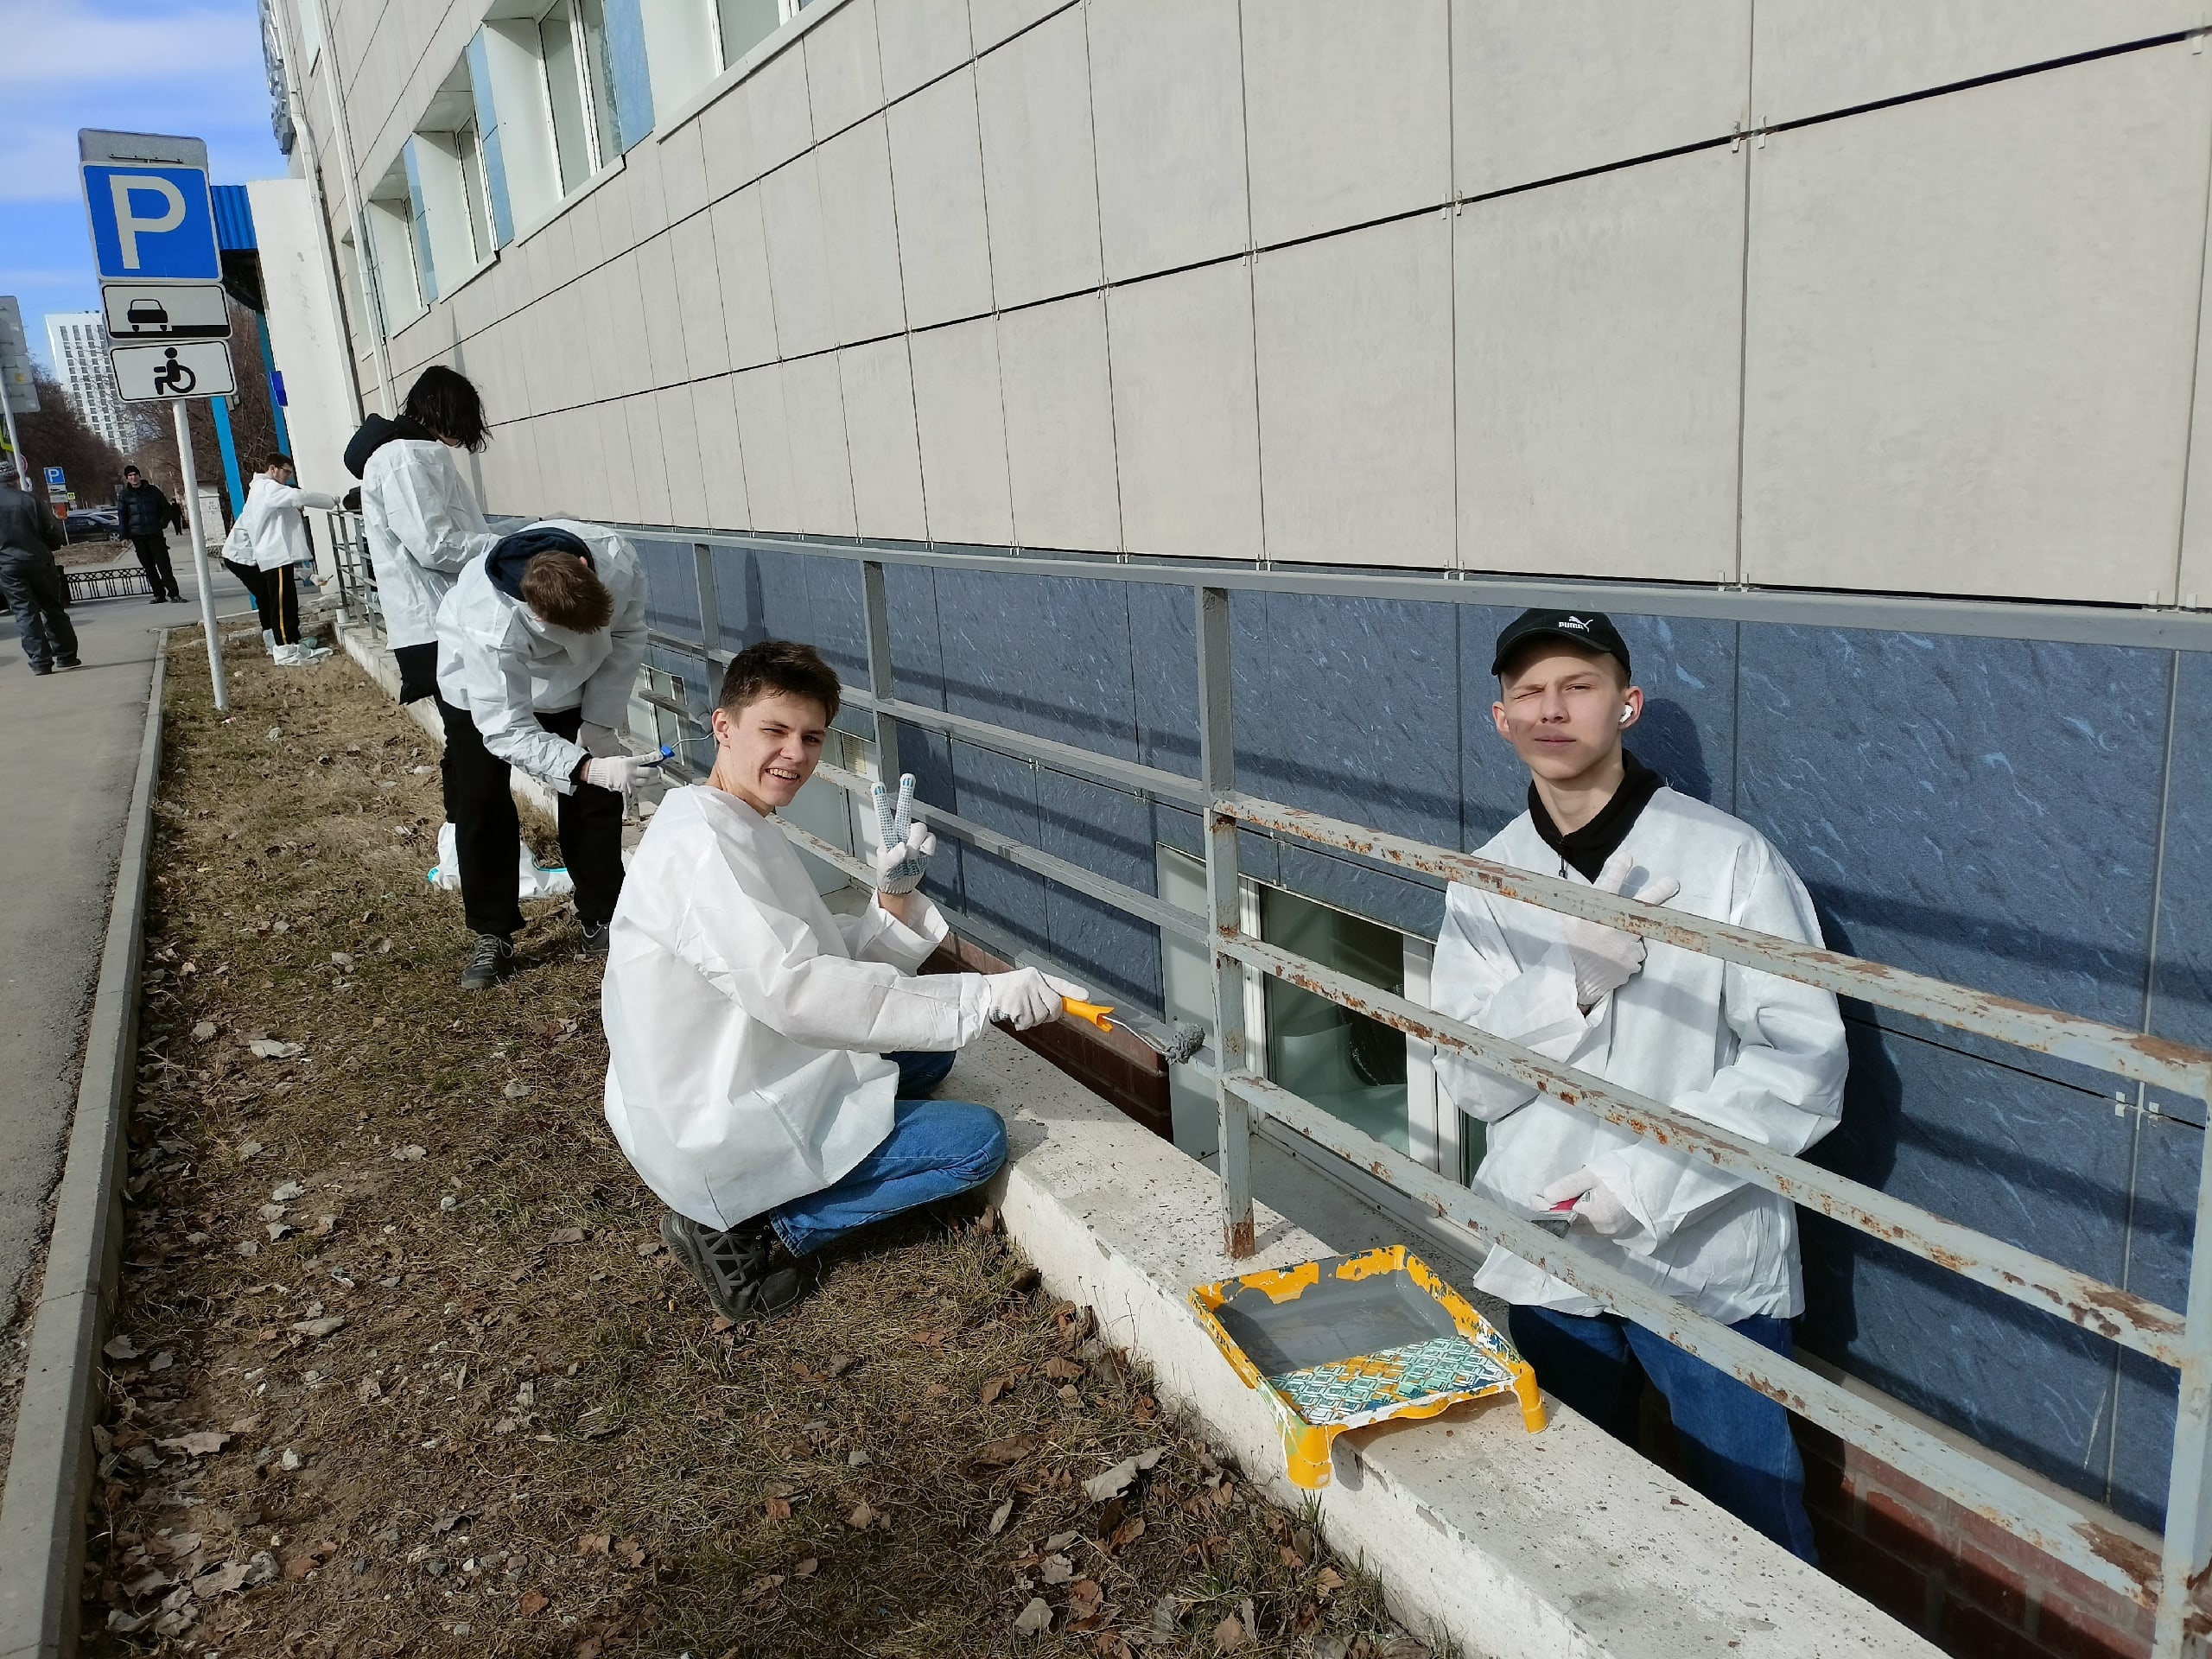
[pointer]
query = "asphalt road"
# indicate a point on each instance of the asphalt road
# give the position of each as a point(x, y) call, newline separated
point(68, 744)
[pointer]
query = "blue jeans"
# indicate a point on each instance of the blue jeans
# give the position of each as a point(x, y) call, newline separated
point(1734, 1440)
point(935, 1148)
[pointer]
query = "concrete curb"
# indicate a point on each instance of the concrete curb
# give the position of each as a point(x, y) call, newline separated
point(50, 1471)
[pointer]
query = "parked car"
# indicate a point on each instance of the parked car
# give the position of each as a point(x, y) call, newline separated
point(93, 524)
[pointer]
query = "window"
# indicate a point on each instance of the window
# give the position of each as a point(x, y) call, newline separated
point(579, 91)
point(599, 79)
point(474, 190)
point(744, 24)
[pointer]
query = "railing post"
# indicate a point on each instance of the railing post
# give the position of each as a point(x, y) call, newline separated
point(1217, 769)
point(710, 615)
point(879, 670)
point(2188, 1548)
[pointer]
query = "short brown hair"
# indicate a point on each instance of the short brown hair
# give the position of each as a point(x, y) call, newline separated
point(276, 460)
point(567, 592)
point(779, 665)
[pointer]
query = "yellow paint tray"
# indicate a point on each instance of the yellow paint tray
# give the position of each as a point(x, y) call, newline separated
point(1351, 1340)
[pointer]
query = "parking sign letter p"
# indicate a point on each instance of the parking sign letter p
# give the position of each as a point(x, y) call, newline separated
point(122, 187)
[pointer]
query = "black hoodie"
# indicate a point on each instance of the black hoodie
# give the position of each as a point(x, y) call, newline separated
point(375, 432)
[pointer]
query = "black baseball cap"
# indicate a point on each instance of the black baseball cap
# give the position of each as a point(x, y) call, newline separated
point(1592, 630)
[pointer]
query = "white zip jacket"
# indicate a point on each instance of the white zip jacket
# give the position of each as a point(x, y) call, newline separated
point(505, 667)
point(1760, 1056)
point(746, 1027)
point(423, 525)
point(272, 523)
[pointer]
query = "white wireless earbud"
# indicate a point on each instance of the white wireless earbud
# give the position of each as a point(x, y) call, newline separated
point(1626, 715)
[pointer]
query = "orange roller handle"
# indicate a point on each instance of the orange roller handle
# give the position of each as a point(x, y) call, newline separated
point(1094, 1013)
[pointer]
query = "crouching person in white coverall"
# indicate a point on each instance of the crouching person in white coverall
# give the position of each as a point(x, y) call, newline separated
point(1761, 1056)
point(765, 1056)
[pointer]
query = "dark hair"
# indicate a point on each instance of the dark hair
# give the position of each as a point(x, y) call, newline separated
point(128, 471)
point(779, 665)
point(446, 403)
point(565, 591)
point(276, 460)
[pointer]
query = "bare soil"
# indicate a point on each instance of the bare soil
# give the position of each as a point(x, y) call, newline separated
point(402, 1367)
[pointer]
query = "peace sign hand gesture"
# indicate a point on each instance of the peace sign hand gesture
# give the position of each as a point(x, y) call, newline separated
point(907, 844)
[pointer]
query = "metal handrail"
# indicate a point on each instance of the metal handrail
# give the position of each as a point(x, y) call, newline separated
point(2079, 1535)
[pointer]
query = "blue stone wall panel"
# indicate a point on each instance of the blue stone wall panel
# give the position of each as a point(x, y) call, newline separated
point(1163, 626)
point(2162, 1222)
point(1044, 655)
point(2180, 1004)
point(671, 587)
point(1000, 793)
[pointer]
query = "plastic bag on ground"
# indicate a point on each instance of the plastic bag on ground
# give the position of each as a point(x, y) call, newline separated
point(535, 883)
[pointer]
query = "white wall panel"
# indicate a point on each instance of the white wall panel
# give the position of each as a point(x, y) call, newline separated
point(1186, 418)
point(1347, 120)
point(762, 431)
point(726, 140)
point(741, 259)
point(664, 311)
point(1059, 425)
point(918, 40)
point(887, 457)
point(648, 460)
point(822, 479)
point(1972, 320)
point(859, 234)
point(798, 273)
point(957, 414)
point(782, 126)
point(624, 320)
point(683, 171)
point(679, 438)
point(599, 370)
point(937, 168)
point(992, 20)
point(1167, 99)
point(1038, 177)
point(699, 296)
point(844, 79)
point(1599, 328)
point(1542, 88)
point(1353, 339)
point(608, 428)
point(722, 461)
point(1812, 57)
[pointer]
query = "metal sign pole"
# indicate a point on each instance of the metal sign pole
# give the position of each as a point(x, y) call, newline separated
point(199, 559)
point(14, 444)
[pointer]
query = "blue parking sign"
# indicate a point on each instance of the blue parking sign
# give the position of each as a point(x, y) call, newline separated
point(152, 221)
point(53, 479)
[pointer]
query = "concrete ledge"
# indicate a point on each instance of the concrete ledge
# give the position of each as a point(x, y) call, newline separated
point(1513, 1545)
point(50, 1470)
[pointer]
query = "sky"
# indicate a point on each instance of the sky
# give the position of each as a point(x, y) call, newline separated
point(191, 68)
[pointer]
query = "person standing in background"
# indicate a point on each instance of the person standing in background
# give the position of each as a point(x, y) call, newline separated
point(278, 537)
point(142, 513)
point(32, 580)
point(421, 519)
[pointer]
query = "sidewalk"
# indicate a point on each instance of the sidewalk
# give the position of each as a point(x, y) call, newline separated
point(67, 744)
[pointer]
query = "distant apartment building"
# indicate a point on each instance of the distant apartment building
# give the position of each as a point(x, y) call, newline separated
point(1853, 369)
point(78, 340)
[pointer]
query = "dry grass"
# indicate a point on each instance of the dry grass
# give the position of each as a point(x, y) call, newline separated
point(465, 1404)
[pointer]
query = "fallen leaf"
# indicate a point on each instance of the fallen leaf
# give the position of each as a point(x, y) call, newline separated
point(1230, 1635)
point(861, 1518)
point(203, 1031)
point(996, 1386)
point(205, 1443)
point(1084, 1599)
point(567, 1236)
point(805, 1568)
point(531, 1605)
point(120, 1347)
point(515, 1091)
point(323, 1327)
point(630, 1552)
point(999, 1517)
point(1013, 1449)
point(763, 1585)
point(1062, 1370)
point(1056, 1569)
point(268, 1048)
point(1035, 1617)
point(1328, 1579)
point(249, 1150)
point(1128, 1532)
point(1099, 1488)
point(409, 1155)
point(779, 1509)
point(287, 1193)
point(593, 1543)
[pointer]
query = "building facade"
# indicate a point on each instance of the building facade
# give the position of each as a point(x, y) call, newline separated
point(77, 343)
point(1906, 302)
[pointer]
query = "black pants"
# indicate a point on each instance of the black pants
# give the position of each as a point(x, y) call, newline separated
point(154, 560)
point(486, 829)
point(279, 603)
point(38, 596)
point(249, 577)
point(418, 670)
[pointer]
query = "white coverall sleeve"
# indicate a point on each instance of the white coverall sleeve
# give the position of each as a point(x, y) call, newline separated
point(875, 935)
point(1476, 979)
point(606, 693)
point(418, 514)
point(314, 499)
point(497, 683)
point(771, 964)
point(1783, 1088)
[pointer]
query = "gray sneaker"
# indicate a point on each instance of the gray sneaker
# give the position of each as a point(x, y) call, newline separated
point(492, 961)
point(737, 1268)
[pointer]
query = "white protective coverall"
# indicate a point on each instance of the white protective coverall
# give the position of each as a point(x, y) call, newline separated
point(1760, 1056)
point(746, 1027)
point(271, 521)
point(423, 525)
point(499, 661)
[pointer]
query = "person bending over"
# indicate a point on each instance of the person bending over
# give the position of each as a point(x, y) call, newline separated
point(1761, 1056)
point(273, 527)
point(538, 645)
point(764, 1056)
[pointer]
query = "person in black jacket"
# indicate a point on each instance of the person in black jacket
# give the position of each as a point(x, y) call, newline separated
point(142, 515)
point(31, 580)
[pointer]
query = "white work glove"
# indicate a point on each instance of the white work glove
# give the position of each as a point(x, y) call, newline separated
point(600, 740)
point(1026, 998)
point(1596, 1206)
point(1607, 959)
point(905, 845)
point(622, 773)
